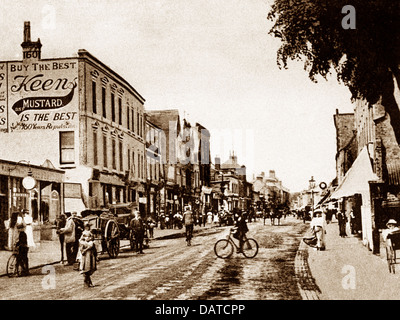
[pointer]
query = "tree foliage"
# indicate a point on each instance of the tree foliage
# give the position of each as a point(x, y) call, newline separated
point(366, 59)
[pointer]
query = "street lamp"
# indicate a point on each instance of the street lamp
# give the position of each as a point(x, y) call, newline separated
point(312, 186)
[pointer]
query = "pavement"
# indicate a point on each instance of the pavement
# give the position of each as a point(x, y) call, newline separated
point(346, 270)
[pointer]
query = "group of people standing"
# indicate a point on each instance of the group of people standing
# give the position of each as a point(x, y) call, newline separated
point(20, 237)
point(80, 244)
point(319, 222)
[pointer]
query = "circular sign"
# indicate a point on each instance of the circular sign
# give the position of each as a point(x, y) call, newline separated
point(29, 182)
point(322, 185)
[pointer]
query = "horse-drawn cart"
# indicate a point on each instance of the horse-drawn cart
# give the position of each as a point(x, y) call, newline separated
point(110, 226)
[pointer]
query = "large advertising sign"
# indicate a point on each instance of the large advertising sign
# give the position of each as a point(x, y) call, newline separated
point(40, 95)
point(3, 97)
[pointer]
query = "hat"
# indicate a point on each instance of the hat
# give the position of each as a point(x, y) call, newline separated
point(391, 221)
point(317, 211)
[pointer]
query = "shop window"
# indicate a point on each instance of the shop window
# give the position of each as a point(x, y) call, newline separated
point(67, 147)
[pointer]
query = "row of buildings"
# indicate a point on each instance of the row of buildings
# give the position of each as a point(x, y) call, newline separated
point(367, 180)
point(75, 135)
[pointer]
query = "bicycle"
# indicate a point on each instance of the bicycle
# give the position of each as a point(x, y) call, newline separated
point(223, 248)
point(14, 266)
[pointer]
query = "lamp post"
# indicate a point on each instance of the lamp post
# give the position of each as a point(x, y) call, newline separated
point(312, 186)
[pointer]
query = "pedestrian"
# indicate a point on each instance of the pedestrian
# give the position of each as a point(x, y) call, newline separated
point(137, 227)
point(22, 252)
point(216, 218)
point(242, 229)
point(12, 231)
point(69, 237)
point(88, 263)
point(318, 225)
point(342, 220)
point(150, 226)
point(79, 227)
point(188, 221)
point(28, 228)
point(208, 217)
point(353, 226)
point(60, 223)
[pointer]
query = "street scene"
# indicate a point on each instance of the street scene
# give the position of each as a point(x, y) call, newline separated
point(176, 150)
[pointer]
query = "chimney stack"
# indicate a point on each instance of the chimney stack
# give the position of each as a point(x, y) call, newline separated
point(27, 31)
point(30, 49)
point(217, 163)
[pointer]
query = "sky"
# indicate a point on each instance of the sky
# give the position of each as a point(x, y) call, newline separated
point(212, 60)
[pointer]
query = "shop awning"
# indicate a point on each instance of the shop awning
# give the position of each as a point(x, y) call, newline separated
point(357, 178)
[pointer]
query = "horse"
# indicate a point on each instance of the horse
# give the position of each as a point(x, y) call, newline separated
point(275, 215)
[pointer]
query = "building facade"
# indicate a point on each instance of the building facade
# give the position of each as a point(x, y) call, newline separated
point(82, 117)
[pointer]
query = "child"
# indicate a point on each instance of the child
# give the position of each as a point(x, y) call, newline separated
point(88, 263)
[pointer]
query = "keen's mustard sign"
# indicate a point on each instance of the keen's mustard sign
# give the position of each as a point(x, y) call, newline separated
point(40, 95)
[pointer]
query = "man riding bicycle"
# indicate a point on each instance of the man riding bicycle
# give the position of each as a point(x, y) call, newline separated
point(242, 229)
point(188, 221)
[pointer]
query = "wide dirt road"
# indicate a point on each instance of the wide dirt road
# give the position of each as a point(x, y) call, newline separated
point(171, 270)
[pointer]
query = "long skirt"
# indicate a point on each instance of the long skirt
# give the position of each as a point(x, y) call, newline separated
point(320, 234)
point(88, 262)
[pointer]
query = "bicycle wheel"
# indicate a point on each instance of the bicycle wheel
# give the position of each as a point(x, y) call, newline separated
point(13, 269)
point(223, 248)
point(250, 248)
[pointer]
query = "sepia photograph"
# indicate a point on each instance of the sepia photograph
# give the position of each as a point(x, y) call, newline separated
point(217, 152)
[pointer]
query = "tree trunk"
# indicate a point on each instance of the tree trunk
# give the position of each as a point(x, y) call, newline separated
point(390, 104)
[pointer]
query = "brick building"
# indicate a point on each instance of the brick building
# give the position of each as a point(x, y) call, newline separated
point(80, 116)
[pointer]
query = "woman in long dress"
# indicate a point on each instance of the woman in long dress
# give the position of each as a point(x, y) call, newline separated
point(318, 225)
point(28, 229)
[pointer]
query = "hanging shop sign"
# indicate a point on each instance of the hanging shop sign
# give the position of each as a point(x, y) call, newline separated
point(29, 182)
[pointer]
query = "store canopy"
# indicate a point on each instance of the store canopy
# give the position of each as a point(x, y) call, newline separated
point(357, 177)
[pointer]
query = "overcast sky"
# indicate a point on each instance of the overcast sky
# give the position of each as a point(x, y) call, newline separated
point(211, 59)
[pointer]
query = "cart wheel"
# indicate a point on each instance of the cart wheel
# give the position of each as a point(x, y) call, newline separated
point(112, 238)
point(394, 261)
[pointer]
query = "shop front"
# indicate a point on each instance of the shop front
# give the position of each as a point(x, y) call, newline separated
point(29, 187)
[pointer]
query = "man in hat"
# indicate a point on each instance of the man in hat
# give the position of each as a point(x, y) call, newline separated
point(69, 237)
point(138, 229)
point(391, 228)
point(77, 217)
point(188, 220)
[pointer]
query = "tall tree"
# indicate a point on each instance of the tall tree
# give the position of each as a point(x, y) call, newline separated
point(366, 59)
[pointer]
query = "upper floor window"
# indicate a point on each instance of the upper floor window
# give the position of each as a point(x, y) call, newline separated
point(103, 101)
point(95, 157)
point(94, 104)
point(121, 157)
point(67, 147)
point(112, 107)
point(120, 111)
